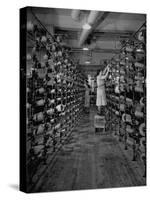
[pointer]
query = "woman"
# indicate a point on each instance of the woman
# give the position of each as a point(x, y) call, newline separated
point(101, 96)
point(87, 97)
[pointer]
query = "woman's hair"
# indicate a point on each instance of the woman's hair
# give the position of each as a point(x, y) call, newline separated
point(98, 71)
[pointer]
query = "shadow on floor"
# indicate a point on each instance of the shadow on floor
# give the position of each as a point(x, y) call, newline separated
point(14, 186)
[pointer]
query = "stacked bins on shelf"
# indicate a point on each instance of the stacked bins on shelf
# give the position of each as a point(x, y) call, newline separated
point(132, 96)
point(55, 97)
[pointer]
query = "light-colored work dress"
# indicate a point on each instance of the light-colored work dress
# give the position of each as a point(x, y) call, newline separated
point(101, 95)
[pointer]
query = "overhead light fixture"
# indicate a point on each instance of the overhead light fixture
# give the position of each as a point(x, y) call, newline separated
point(86, 26)
point(85, 49)
point(87, 62)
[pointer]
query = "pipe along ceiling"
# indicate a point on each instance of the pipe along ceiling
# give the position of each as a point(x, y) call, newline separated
point(94, 19)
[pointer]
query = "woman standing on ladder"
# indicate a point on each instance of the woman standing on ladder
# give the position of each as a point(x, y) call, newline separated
point(101, 95)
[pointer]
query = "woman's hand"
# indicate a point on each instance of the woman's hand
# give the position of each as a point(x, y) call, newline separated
point(108, 66)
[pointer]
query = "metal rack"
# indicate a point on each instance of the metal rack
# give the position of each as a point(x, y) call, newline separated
point(54, 98)
point(132, 76)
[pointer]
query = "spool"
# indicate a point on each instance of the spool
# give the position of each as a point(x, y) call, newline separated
point(139, 114)
point(63, 113)
point(141, 34)
point(66, 61)
point(138, 89)
point(38, 117)
point(50, 111)
point(142, 101)
point(29, 57)
point(28, 89)
point(30, 26)
point(128, 118)
point(41, 90)
point(129, 49)
point(38, 149)
point(53, 48)
point(122, 63)
point(121, 97)
point(122, 72)
point(52, 91)
point(123, 117)
point(40, 102)
point(59, 108)
point(60, 53)
point(136, 122)
point(59, 63)
point(42, 72)
point(116, 98)
point(58, 39)
point(122, 107)
point(117, 89)
point(129, 129)
point(59, 99)
point(33, 50)
point(142, 129)
point(143, 157)
point(139, 79)
point(51, 82)
point(45, 57)
point(117, 112)
point(43, 66)
point(40, 129)
point(28, 105)
point(130, 141)
point(52, 120)
point(50, 62)
point(130, 101)
point(43, 39)
point(140, 65)
point(57, 126)
point(52, 101)
point(143, 142)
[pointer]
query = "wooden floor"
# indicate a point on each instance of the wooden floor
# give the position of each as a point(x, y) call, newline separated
point(90, 161)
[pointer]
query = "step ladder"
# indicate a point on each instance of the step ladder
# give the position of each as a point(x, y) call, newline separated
point(99, 123)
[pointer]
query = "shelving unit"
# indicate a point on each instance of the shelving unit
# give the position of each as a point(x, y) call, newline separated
point(55, 97)
point(126, 94)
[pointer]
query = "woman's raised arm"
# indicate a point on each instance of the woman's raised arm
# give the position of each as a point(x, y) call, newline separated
point(106, 73)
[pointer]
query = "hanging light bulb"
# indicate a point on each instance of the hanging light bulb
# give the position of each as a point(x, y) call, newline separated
point(87, 62)
point(85, 49)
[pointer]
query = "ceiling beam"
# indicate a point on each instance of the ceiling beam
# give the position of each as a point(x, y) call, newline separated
point(100, 35)
point(91, 67)
point(96, 50)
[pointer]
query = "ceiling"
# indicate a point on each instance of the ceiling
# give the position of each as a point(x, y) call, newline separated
point(104, 39)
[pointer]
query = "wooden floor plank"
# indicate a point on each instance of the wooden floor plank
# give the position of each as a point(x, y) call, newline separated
point(90, 161)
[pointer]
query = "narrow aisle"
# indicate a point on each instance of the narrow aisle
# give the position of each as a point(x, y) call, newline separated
point(89, 161)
